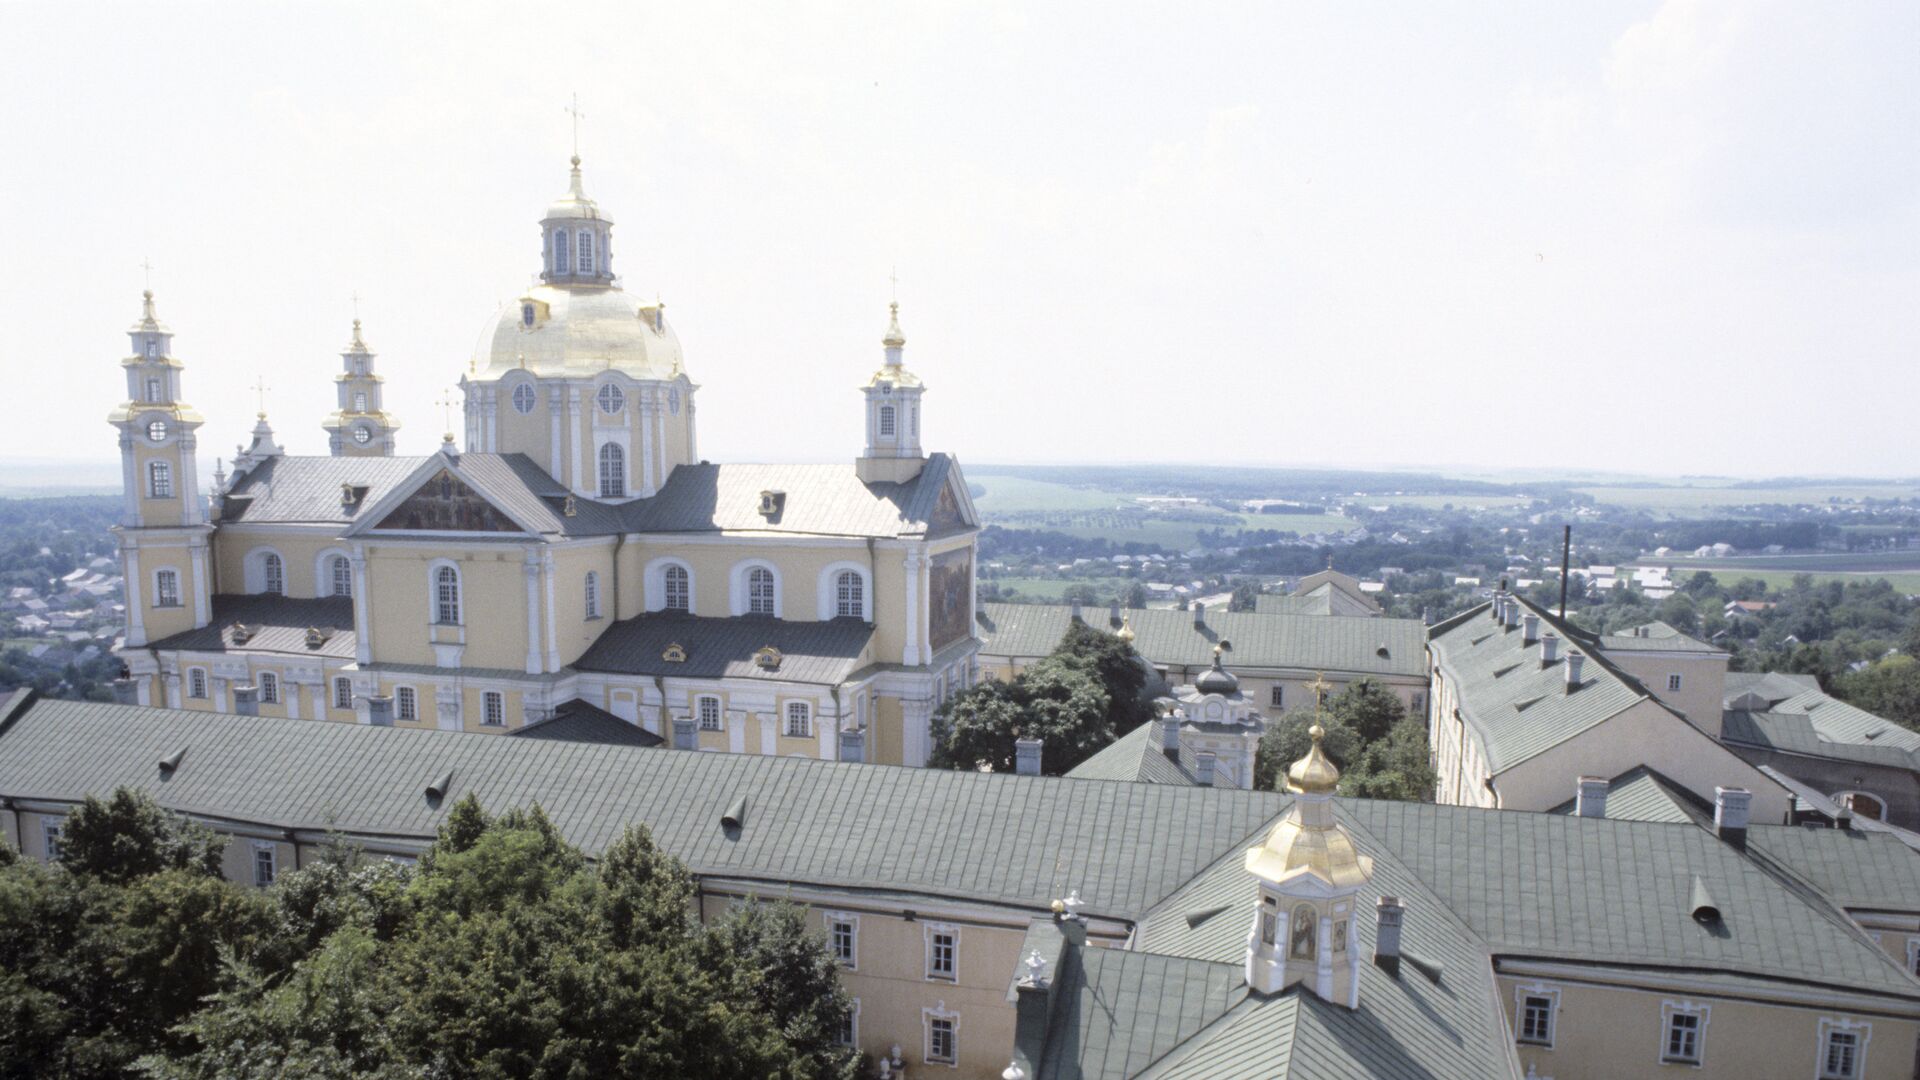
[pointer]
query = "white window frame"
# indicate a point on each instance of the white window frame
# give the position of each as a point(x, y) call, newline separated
point(157, 431)
point(269, 688)
point(359, 401)
point(836, 920)
point(829, 588)
point(335, 564)
point(801, 711)
point(853, 1024)
point(524, 408)
point(1670, 1009)
point(153, 384)
point(583, 251)
point(1277, 696)
point(935, 930)
point(166, 588)
point(197, 683)
point(612, 471)
point(50, 837)
point(927, 1017)
point(406, 703)
point(887, 423)
point(159, 480)
point(1674, 682)
point(1520, 996)
point(741, 599)
point(561, 263)
point(656, 584)
point(265, 855)
point(435, 608)
point(610, 399)
point(592, 586)
point(342, 692)
point(258, 564)
point(700, 713)
point(493, 708)
point(1842, 1025)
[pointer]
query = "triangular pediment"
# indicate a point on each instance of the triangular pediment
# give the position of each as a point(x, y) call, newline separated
point(445, 503)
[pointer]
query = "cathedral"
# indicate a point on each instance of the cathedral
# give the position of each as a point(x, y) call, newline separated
point(576, 571)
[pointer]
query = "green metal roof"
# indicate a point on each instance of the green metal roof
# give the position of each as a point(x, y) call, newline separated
point(1118, 1012)
point(1138, 757)
point(1853, 867)
point(1657, 637)
point(1643, 794)
point(1167, 638)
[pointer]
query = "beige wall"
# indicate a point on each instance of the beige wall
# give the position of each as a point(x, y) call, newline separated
point(1606, 1032)
point(298, 552)
point(1702, 682)
point(493, 603)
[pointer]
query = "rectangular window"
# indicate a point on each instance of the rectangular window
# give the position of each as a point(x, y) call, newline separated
point(709, 714)
point(1843, 1049)
point(1673, 682)
point(886, 421)
point(849, 1033)
point(843, 939)
point(166, 588)
point(1536, 1019)
point(405, 705)
point(1683, 1039)
point(1419, 704)
point(1277, 697)
point(197, 683)
point(799, 719)
point(263, 861)
point(160, 480)
point(943, 1044)
point(493, 708)
point(943, 952)
point(343, 693)
point(269, 688)
point(51, 830)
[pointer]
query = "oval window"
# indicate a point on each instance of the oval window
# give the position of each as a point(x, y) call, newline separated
point(157, 430)
point(523, 399)
point(611, 399)
point(362, 435)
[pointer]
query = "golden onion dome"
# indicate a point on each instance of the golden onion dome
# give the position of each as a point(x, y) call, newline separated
point(1314, 774)
point(1126, 629)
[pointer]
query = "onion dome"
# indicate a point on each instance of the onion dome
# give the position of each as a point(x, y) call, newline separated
point(1314, 774)
point(1216, 679)
point(1125, 633)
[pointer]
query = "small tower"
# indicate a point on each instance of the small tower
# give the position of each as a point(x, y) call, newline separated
point(1309, 875)
point(577, 246)
point(360, 426)
point(163, 525)
point(893, 453)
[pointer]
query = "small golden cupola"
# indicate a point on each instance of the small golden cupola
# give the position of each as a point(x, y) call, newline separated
point(1309, 874)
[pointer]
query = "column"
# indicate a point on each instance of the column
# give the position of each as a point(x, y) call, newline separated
point(644, 406)
point(914, 564)
point(172, 679)
point(290, 693)
point(362, 618)
point(532, 571)
point(136, 596)
point(200, 567)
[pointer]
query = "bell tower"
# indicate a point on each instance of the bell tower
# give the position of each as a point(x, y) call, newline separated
point(163, 526)
point(1309, 876)
point(360, 426)
point(892, 453)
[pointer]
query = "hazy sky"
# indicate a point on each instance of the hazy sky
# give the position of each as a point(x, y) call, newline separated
point(1677, 238)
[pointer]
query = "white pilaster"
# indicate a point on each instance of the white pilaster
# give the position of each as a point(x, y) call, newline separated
point(578, 482)
point(172, 679)
point(200, 566)
point(362, 619)
point(554, 424)
point(645, 407)
point(532, 569)
point(136, 592)
point(553, 633)
point(767, 735)
point(914, 564)
point(290, 693)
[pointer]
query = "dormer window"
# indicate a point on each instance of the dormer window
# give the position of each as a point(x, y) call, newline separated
point(526, 315)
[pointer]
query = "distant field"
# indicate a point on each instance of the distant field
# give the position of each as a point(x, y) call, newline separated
point(1779, 580)
point(1094, 514)
point(1436, 502)
point(1840, 562)
point(1011, 494)
point(1054, 588)
point(1704, 501)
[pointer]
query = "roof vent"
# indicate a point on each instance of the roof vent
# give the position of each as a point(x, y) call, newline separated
point(569, 507)
point(772, 502)
point(1701, 904)
point(736, 815)
point(1731, 806)
point(1390, 913)
point(347, 497)
point(1380, 650)
point(439, 788)
point(1195, 918)
point(1590, 797)
point(1549, 649)
point(674, 653)
point(768, 658)
point(172, 761)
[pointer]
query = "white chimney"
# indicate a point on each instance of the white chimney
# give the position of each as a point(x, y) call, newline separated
point(1549, 649)
point(1731, 805)
point(1386, 934)
point(1203, 768)
point(1170, 736)
point(1590, 798)
point(1026, 756)
point(1574, 663)
point(1529, 628)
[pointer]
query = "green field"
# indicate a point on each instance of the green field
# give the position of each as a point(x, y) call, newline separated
point(1780, 580)
point(1436, 502)
point(1011, 494)
point(1713, 501)
point(1054, 588)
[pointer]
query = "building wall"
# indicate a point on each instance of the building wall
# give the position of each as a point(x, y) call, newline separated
point(493, 603)
point(1603, 1032)
point(1703, 681)
point(1899, 789)
point(1459, 761)
point(299, 550)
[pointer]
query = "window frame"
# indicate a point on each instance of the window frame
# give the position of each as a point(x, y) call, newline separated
point(931, 935)
point(591, 586)
point(493, 708)
point(406, 703)
point(610, 399)
point(888, 424)
point(197, 686)
point(763, 591)
point(700, 704)
point(838, 921)
point(166, 588)
point(514, 395)
point(583, 252)
point(337, 566)
point(50, 829)
point(342, 692)
point(265, 855)
point(612, 472)
point(269, 684)
point(669, 586)
point(849, 1035)
point(940, 1014)
point(159, 480)
point(560, 251)
point(154, 395)
point(273, 573)
point(1522, 995)
point(1674, 682)
point(802, 711)
point(156, 431)
point(445, 605)
point(849, 595)
point(1670, 1013)
point(1277, 696)
point(1860, 1031)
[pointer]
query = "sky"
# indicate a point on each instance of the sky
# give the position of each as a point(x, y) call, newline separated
point(1670, 238)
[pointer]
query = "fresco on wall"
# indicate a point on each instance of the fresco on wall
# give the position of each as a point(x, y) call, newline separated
point(447, 504)
point(950, 591)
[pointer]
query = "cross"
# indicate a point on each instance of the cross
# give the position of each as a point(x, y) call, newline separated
point(577, 117)
point(1319, 686)
point(446, 411)
point(356, 305)
point(260, 389)
point(147, 265)
point(894, 277)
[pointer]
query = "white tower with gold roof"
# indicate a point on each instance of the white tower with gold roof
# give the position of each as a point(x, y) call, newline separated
point(360, 425)
point(892, 453)
point(1309, 876)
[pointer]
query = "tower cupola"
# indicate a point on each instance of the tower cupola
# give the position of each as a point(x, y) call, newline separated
point(577, 240)
point(359, 425)
point(892, 453)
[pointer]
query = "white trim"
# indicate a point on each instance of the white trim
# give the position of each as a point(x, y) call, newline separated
point(786, 719)
point(738, 600)
point(590, 594)
point(488, 699)
point(720, 712)
point(1669, 1009)
point(206, 685)
point(1836, 1025)
point(433, 593)
point(852, 921)
point(939, 1011)
point(254, 570)
point(853, 1023)
point(179, 593)
point(323, 571)
point(1531, 990)
point(928, 931)
point(829, 593)
point(654, 581)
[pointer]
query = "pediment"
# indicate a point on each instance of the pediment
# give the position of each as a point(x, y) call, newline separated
point(445, 503)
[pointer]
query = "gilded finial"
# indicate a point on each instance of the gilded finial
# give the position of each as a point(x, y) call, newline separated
point(1126, 629)
point(1314, 774)
point(1319, 687)
point(895, 338)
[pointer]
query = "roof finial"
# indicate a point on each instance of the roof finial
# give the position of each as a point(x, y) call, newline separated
point(578, 116)
point(895, 340)
point(260, 389)
point(1319, 687)
point(1314, 774)
point(446, 414)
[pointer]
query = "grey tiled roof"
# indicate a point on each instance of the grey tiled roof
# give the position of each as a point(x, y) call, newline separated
point(1656, 637)
point(1320, 603)
point(583, 722)
point(279, 624)
point(1643, 794)
point(821, 500)
point(1832, 720)
point(1137, 757)
point(1168, 638)
point(1806, 797)
point(1117, 1012)
point(811, 652)
point(306, 489)
point(1796, 733)
point(1855, 868)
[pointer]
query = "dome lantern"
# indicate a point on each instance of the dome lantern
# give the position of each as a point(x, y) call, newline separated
point(576, 239)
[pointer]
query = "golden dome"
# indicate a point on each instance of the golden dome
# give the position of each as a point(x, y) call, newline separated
point(1126, 629)
point(1314, 774)
point(1302, 843)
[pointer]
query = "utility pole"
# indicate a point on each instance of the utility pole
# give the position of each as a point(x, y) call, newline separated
point(1566, 566)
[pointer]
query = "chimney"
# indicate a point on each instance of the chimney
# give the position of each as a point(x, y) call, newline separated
point(380, 710)
point(1026, 756)
point(684, 736)
point(1590, 798)
point(1498, 606)
point(1513, 613)
point(1170, 736)
point(1730, 808)
point(1199, 616)
point(1076, 610)
point(853, 745)
point(1574, 662)
point(1529, 628)
point(1386, 935)
point(246, 699)
point(1843, 820)
point(126, 692)
point(1549, 649)
point(1113, 613)
point(1203, 768)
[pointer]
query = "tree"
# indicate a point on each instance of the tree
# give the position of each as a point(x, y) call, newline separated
point(978, 726)
point(1134, 596)
point(1244, 595)
point(1396, 767)
point(1369, 709)
point(1888, 688)
point(1119, 669)
point(128, 836)
point(1288, 739)
point(780, 969)
point(1679, 612)
point(1080, 593)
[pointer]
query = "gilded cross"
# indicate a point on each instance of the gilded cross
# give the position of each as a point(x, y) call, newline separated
point(894, 277)
point(260, 389)
point(1319, 686)
point(356, 305)
point(147, 266)
point(446, 411)
point(578, 116)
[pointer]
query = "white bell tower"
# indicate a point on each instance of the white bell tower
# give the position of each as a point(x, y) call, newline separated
point(360, 426)
point(893, 453)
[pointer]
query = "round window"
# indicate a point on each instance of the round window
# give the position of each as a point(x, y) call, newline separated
point(611, 399)
point(362, 435)
point(157, 430)
point(673, 400)
point(523, 398)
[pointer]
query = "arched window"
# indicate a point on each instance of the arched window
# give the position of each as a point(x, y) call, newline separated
point(273, 574)
point(849, 595)
point(593, 594)
point(886, 420)
point(1300, 934)
point(159, 480)
point(613, 471)
point(585, 263)
point(611, 399)
point(340, 576)
point(153, 389)
point(760, 591)
point(269, 688)
point(526, 315)
point(679, 594)
point(559, 251)
point(523, 397)
point(446, 596)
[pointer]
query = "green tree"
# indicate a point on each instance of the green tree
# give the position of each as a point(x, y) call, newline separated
point(1080, 593)
point(1889, 688)
point(978, 726)
point(1369, 709)
point(1120, 671)
point(1134, 596)
point(778, 968)
point(128, 836)
point(1287, 740)
point(1243, 598)
point(1396, 767)
point(1679, 612)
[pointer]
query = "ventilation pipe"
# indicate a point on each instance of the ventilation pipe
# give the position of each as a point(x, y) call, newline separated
point(1386, 935)
point(1549, 649)
point(853, 744)
point(1529, 628)
point(1026, 756)
point(1590, 800)
point(380, 710)
point(1575, 661)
